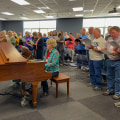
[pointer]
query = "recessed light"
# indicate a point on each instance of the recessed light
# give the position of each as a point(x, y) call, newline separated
point(79, 15)
point(118, 7)
point(21, 2)
point(7, 13)
point(3, 19)
point(78, 9)
point(43, 8)
point(49, 16)
point(39, 11)
point(88, 10)
point(72, 0)
point(25, 18)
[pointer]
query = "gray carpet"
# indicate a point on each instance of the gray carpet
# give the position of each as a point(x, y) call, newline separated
point(82, 104)
point(102, 105)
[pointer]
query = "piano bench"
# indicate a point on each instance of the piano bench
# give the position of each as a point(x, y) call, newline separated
point(61, 79)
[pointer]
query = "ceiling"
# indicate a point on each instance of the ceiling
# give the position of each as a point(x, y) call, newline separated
point(58, 9)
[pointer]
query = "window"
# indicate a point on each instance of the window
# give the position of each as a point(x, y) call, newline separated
point(101, 23)
point(40, 26)
point(31, 24)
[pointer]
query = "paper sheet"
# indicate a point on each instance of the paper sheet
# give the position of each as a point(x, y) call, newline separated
point(115, 44)
point(87, 42)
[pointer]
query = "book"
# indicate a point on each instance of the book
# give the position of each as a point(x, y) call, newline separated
point(77, 40)
point(68, 39)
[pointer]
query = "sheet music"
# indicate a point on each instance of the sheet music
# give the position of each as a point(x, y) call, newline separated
point(115, 44)
point(23, 40)
point(88, 42)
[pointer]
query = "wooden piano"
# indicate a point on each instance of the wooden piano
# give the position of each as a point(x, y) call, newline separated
point(14, 66)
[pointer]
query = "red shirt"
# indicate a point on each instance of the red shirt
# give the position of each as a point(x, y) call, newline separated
point(70, 44)
point(48, 55)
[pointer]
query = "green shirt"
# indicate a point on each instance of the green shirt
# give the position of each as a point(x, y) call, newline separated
point(12, 40)
point(53, 61)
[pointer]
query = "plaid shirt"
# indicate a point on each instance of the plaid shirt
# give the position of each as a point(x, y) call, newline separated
point(52, 64)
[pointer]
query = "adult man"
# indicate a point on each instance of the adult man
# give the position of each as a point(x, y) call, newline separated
point(96, 60)
point(113, 65)
point(90, 33)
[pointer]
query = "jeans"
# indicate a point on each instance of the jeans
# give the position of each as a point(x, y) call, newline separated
point(95, 68)
point(113, 76)
point(45, 84)
point(82, 58)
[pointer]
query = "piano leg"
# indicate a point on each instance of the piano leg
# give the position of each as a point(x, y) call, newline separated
point(34, 93)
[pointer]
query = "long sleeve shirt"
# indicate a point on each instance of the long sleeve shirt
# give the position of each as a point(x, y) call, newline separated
point(52, 64)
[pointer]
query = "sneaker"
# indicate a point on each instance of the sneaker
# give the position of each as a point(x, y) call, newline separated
point(45, 93)
point(97, 88)
point(117, 104)
point(91, 85)
point(106, 93)
point(116, 97)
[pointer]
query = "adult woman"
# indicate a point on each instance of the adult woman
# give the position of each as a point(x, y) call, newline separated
point(52, 62)
point(28, 39)
point(3, 37)
point(17, 41)
point(11, 37)
point(60, 46)
point(34, 39)
point(39, 46)
point(20, 38)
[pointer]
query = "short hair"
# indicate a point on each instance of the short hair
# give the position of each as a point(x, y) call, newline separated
point(52, 42)
point(98, 30)
point(116, 28)
point(35, 33)
point(10, 32)
point(27, 33)
point(70, 33)
point(77, 34)
point(3, 33)
point(83, 29)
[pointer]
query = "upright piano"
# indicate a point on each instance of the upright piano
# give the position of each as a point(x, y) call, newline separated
point(13, 66)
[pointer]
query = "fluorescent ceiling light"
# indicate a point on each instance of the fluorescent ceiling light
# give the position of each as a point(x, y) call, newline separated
point(43, 8)
point(49, 16)
point(25, 18)
point(78, 9)
point(21, 2)
point(88, 10)
point(39, 11)
point(7, 13)
point(118, 7)
point(79, 15)
point(72, 0)
point(2, 19)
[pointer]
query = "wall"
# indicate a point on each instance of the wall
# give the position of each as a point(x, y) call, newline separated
point(0, 25)
point(69, 25)
point(13, 25)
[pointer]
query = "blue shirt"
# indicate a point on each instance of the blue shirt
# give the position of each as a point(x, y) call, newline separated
point(62, 39)
point(80, 46)
point(45, 39)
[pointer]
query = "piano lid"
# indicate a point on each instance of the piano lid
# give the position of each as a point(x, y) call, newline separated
point(9, 54)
